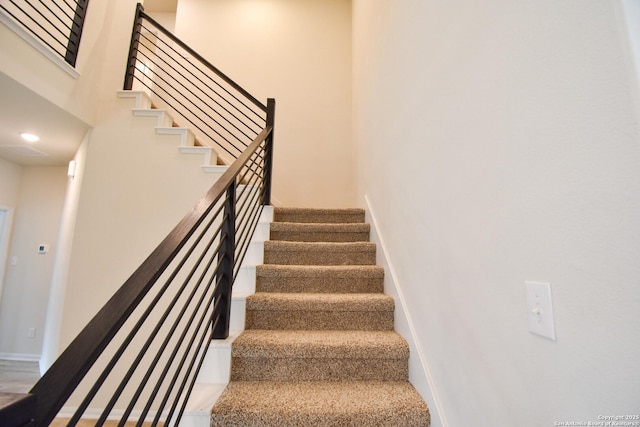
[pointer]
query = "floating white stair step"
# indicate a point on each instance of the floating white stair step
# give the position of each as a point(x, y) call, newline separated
point(194, 150)
point(142, 99)
point(164, 120)
point(215, 168)
point(186, 136)
point(209, 154)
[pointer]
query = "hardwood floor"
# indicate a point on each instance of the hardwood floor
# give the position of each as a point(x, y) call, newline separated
point(18, 376)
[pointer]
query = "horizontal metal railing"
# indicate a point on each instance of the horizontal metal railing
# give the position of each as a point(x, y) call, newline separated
point(221, 113)
point(57, 24)
point(137, 361)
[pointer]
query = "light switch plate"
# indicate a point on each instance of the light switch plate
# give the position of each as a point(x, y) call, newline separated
point(540, 309)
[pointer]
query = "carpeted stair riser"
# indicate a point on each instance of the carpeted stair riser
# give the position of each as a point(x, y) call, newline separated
point(321, 404)
point(319, 279)
point(319, 356)
point(300, 232)
point(320, 320)
point(307, 253)
point(324, 216)
point(261, 369)
point(363, 312)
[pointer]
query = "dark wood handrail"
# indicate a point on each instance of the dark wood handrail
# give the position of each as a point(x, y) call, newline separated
point(59, 382)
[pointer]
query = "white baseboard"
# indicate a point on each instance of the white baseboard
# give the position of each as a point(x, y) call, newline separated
point(419, 373)
point(21, 357)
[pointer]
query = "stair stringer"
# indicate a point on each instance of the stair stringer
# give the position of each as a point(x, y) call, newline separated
point(216, 369)
point(165, 126)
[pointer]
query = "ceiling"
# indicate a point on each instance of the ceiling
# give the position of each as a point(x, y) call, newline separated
point(22, 110)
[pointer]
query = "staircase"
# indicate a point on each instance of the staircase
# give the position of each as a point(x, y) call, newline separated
point(318, 346)
point(166, 125)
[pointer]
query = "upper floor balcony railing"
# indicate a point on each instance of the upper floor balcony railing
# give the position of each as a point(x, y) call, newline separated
point(56, 24)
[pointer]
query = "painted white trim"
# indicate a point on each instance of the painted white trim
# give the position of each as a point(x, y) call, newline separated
point(438, 418)
point(37, 44)
point(21, 357)
point(141, 98)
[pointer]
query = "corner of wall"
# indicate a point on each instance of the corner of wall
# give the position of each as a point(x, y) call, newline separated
point(53, 320)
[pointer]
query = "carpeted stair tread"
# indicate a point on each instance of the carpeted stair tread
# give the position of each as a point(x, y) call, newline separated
point(308, 215)
point(316, 403)
point(321, 344)
point(305, 311)
point(319, 232)
point(319, 253)
point(259, 355)
point(321, 279)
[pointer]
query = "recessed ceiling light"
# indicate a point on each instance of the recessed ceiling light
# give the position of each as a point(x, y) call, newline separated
point(29, 137)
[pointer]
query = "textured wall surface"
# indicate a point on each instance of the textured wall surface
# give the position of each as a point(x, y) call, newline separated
point(498, 143)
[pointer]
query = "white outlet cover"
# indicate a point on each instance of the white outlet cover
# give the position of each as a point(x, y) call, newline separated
point(540, 309)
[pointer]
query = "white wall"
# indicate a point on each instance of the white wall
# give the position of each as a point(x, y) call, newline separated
point(136, 186)
point(498, 142)
point(298, 52)
point(26, 287)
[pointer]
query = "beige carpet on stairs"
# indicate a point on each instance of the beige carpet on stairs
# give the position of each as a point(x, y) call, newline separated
point(319, 347)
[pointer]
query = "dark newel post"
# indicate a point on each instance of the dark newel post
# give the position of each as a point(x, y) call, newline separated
point(225, 273)
point(268, 158)
point(133, 48)
point(76, 32)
